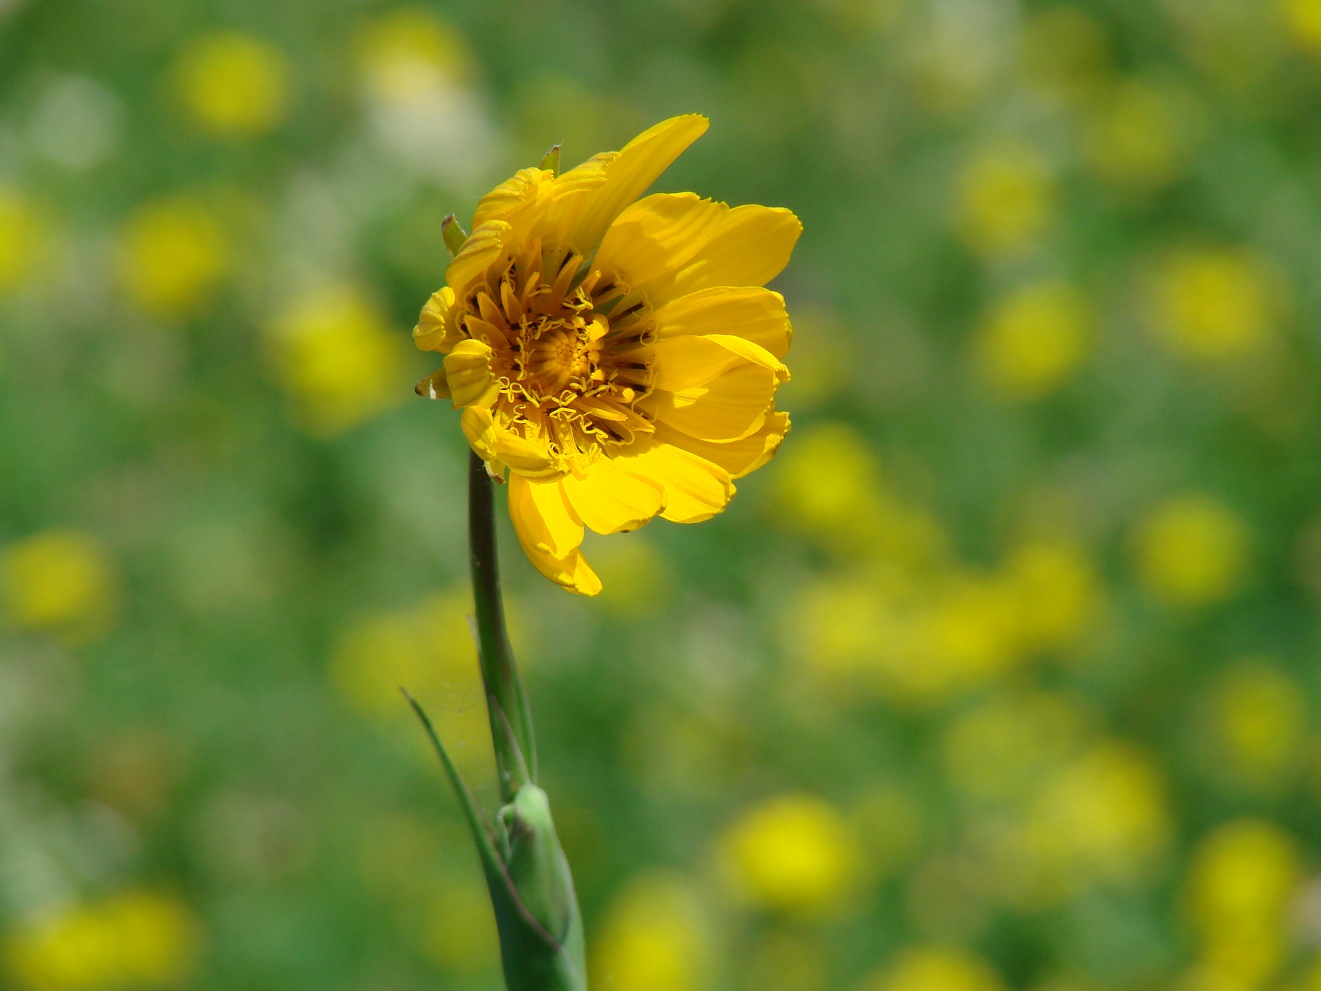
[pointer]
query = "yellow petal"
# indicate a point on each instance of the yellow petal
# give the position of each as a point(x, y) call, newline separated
point(729, 407)
point(750, 312)
point(485, 245)
point(657, 235)
point(432, 323)
point(751, 246)
point(612, 499)
point(550, 533)
point(738, 457)
point(687, 362)
point(511, 196)
point(695, 489)
point(524, 457)
point(628, 173)
point(478, 426)
point(468, 375)
point(433, 386)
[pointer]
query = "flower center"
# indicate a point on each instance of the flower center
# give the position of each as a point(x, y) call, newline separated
point(571, 353)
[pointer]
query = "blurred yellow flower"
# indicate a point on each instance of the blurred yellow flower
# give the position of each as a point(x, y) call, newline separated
point(1302, 18)
point(1258, 724)
point(459, 935)
point(173, 256)
point(1057, 591)
point(1133, 137)
point(794, 853)
point(62, 582)
point(1004, 200)
point(827, 484)
point(1065, 53)
point(407, 52)
point(333, 351)
point(23, 235)
point(639, 384)
point(1032, 340)
point(653, 938)
point(133, 939)
point(970, 630)
point(233, 85)
point(934, 968)
point(1190, 550)
point(1217, 304)
point(852, 632)
point(1241, 886)
point(1104, 816)
point(636, 576)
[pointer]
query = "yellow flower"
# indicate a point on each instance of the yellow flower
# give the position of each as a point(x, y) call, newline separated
point(1190, 551)
point(1033, 339)
point(58, 581)
point(793, 853)
point(636, 384)
point(333, 351)
point(233, 85)
point(1258, 725)
point(134, 939)
point(653, 938)
point(1214, 305)
point(1134, 139)
point(173, 255)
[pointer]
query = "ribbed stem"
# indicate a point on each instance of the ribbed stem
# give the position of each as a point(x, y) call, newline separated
point(511, 719)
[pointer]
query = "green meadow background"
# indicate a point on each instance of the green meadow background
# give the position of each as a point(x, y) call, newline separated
point(1003, 675)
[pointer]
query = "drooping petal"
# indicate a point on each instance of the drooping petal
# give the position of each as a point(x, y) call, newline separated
point(550, 533)
point(433, 322)
point(628, 173)
point(468, 375)
point(729, 407)
point(612, 499)
point(750, 312)
point(434, 386)
point(658, 235)
point(478, 425)
point(695, 489)
point(738, 457)
point(689, 361)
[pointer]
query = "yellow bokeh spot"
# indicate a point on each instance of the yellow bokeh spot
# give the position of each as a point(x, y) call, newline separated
point(23, 238)
point(930, 968)
point(1243, 879)
point(61, 582)
point(1057, 592)
point(1259, 724)
point(826, 482)
point(1132, 138)
point(636, 577)
point(174, 254)
point(1102, 817)
point(1032, 340)
point(1212, 305)
point(233, 85)
point(408, 53)
point(653, 938)
point(1190, 551)
point(134, 939)
point(1065, 53)
point(1302, 19)
point(460, 933)
point(1004, 200)
point(338, 358)
point(794, 853)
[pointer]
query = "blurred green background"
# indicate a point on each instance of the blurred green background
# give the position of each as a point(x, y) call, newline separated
point(1001, 676)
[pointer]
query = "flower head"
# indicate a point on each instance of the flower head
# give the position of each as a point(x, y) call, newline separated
point(619, 359)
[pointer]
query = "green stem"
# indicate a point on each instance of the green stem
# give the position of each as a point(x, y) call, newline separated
point(511, 719)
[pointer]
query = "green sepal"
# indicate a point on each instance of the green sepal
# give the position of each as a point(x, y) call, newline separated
point(531, 888)
point(454, 234)
point(551, 161)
